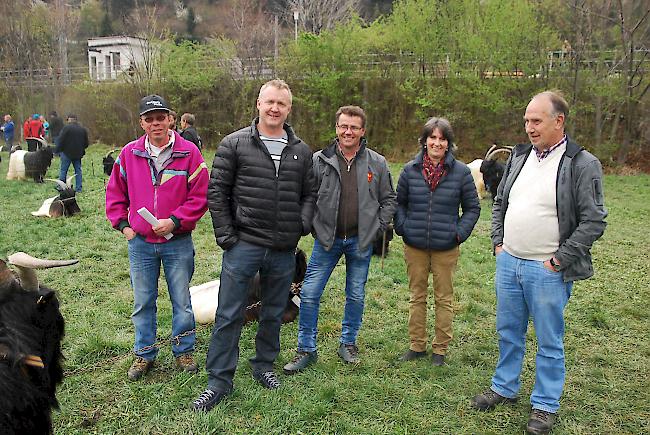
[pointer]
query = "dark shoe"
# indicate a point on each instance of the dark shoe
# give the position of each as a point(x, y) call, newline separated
point(139, 368)
point(437, 359)
point(410, 355)
point(267, 379)
point(208, 400)
point(349, 353)
point(540, 422)
point(489, 399)
point(300, 362)
point(186, 362)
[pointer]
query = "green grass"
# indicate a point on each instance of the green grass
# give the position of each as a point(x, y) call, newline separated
point(606, 341)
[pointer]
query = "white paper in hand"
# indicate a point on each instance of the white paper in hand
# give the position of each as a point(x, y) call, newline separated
point(146, 215)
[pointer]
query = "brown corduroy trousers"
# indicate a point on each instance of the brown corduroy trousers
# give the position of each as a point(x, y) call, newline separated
point(441, 265)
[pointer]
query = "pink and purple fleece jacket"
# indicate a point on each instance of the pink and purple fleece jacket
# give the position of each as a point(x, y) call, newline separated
point(177, 192)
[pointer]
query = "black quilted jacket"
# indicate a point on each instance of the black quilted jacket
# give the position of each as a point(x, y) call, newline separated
point(248, 201)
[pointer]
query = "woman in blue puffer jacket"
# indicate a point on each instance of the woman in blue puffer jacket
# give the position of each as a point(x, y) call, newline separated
point(432, 189)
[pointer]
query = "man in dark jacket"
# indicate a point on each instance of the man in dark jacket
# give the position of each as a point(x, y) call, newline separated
point(56, 125)
point(356, 202)
point(72, 144)
point(261, 198)
point(188, 131)
point(548, 212)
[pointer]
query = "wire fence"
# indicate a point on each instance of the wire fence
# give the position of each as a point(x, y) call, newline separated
point(372, 65)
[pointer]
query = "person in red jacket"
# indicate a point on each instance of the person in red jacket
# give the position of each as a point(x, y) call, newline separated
point(34, 132)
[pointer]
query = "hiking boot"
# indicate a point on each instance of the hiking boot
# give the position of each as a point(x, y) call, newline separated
point(410, 355)
point(489, 399)
point(139, 368)
point(186, 362)
point(208, 400)
point(540, 422)
point(300, 362)
point(267, 379)
point(437, 359)
point(349, 353)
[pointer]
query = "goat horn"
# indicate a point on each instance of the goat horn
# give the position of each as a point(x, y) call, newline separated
point(61, 184)
point(111, 152)
point(26, 264)
point(500, 150)
point(69, 180)
point(6, 277)
point(487, 155)
point(26, 260)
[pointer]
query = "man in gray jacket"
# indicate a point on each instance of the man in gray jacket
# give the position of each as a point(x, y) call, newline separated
point(548, 212)
point(355, 203)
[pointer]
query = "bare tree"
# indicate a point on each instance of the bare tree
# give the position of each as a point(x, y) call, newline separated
point(634, 25)
point(147, 70)
point(252, 31)
point(317, 16)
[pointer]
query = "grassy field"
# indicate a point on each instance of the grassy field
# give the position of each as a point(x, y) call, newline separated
point(607, 340)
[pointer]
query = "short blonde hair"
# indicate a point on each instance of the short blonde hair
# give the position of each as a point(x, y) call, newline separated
point(278, 84)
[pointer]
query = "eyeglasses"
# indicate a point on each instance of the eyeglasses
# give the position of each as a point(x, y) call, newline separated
point(160, 118)
point(344, 127)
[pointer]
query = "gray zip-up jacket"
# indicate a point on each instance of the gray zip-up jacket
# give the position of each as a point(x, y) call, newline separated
point(580, 206)
point(377, 203)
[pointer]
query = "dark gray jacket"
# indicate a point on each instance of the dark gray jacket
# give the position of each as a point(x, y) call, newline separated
point(376, 202)
point(580, 206)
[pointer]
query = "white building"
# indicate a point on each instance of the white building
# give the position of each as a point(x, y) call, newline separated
point(109, 56)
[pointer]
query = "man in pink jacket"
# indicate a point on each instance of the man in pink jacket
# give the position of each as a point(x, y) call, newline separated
point(165, 174)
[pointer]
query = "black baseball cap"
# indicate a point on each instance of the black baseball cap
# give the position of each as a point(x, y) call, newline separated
point(153, 102)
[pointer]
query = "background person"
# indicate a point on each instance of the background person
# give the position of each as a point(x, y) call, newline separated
point(71, 145)
point(166, 174)
point(355, 204)
point(261, 198)
point(56, 125)
point(188, 131)
point(34, 131)
point(8, 130)
point(432, 188)
point(548, 212)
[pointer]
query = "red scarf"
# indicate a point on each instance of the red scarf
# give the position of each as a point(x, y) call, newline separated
point(432, 173)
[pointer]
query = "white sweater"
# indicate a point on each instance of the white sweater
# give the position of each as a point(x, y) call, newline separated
point(530, 228)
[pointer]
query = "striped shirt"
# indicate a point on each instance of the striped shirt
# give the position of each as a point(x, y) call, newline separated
point(541, 155)
point(275, 145)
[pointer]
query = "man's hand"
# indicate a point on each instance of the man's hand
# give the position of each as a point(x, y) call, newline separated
point(549, 266)
point(128, 233)
point(165, 226)
point(498, 249)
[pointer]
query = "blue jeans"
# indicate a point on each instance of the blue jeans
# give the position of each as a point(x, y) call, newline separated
point(63, 173)
point(238, 266)
point(320, 267)
point(526, 288)
point(177, 258)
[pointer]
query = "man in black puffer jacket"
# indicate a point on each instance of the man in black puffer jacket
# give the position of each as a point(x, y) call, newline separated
point(261, 198)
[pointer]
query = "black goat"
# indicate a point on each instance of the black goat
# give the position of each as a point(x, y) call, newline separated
point(293, 298)
point(31, 330)
point(108, 161)
point(492, 171)
point(64, 204)
point(30, 164)
point(205, 297)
